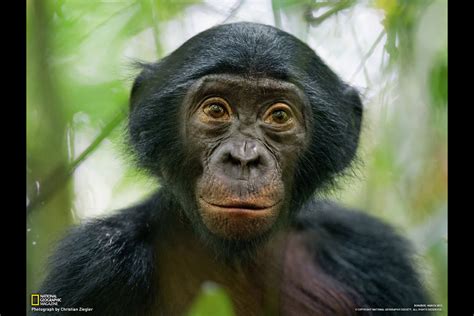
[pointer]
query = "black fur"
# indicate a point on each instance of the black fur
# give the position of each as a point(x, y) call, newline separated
point(114, 273)
point(373, 262)
point(109, 264)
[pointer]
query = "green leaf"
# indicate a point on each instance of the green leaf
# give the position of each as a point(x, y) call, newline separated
point(438, 80)
point(213, 300)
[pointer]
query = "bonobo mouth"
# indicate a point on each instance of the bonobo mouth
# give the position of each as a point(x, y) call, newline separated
point(238, 219)
point(239, 210)
point(238, 205)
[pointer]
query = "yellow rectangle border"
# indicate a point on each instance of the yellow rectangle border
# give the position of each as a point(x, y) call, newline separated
point(33, 296)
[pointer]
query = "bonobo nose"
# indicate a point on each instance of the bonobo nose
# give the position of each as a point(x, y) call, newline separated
point(244, 153)
point(242, 159)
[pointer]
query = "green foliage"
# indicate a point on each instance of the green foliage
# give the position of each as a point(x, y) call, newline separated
point(284, 4)
point(213, 300)
point(438, 80)
point(401, 18)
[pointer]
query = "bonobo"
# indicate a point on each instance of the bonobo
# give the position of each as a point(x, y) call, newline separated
point(242, 125)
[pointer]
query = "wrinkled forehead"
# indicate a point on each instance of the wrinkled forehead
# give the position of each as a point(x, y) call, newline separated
point(248, 86)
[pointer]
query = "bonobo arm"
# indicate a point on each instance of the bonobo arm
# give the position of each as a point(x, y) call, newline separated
point(107, 264)
point(371, 262)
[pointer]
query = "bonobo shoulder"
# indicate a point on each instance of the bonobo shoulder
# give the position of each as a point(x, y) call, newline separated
point(368, 256)
point(339, 222)
point(108, 258)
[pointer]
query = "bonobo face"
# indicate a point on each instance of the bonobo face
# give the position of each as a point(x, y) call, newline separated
point(242, 124)
point(247, 133)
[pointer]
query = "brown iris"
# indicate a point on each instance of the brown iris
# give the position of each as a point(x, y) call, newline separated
point(216, 108)
point(279, 115)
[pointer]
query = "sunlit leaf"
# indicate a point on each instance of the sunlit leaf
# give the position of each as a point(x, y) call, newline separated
point(212, 300)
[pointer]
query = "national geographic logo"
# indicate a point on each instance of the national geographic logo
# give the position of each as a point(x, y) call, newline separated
point(45, 300)
point(46, 303)
point(35, 300)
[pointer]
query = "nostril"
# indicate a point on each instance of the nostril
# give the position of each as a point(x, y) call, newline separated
point(253, 162)
point(231, 159)
point(242, 159)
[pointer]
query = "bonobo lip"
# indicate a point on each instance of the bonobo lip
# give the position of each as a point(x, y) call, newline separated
point(240, 205)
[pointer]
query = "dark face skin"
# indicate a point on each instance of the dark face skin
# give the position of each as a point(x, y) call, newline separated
point(247, 133)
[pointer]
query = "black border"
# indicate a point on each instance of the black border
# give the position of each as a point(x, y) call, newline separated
point(13, 131)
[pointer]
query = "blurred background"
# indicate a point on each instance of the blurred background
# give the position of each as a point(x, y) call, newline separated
point(79, 73)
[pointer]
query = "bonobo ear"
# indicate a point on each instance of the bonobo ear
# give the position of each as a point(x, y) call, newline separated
point(337, 120)
point(351, 104)
point(140, 82)
point(153, 119)
point(334, 128)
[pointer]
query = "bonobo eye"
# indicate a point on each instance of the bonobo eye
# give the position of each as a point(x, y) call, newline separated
point(279, 115)
point(215, 108)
